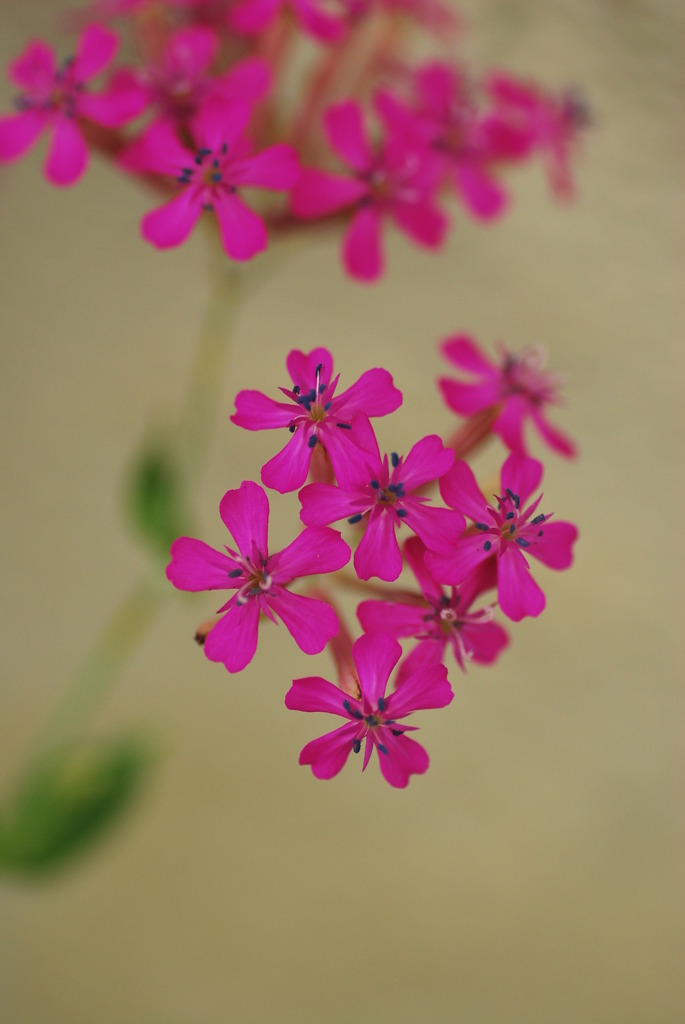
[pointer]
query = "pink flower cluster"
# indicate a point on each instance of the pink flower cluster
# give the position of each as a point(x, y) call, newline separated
point(459, 551)
point(199, 117)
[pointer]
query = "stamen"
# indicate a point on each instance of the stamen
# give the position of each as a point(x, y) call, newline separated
point(522, 542)
point(397, 732)
point(296, 389)
point(481, 526)
point(374, 484)
point(510, 515)
point(292, 428)
point(351, 711)
point(381, 703)
point(311, 443)
point(381, 748)
point(514, 497)
point(487, 545)
point(355, 519)
point(401, 512)
point(356, 746)
point(395, 459)
point(538, 519)
point(234, 573)
point(345, 426)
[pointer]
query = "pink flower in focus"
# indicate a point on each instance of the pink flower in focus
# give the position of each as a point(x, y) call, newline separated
point(551, 124)
point(54, 98)
point(399, 179)
point(373, 719)
point(314, 414)
point(518, 384)
point(259, 579)
point(438, 619)
point(210, 177)
point(509, 532)
point(250, 17)
point(381, 494)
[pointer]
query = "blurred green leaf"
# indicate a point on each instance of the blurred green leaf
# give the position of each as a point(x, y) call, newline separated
point(66, 799)
point(155, 497)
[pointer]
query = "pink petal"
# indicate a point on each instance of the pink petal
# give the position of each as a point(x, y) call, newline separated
point(428, 688)
point(459, 490)
point(465, 353)
point(196, 566)
point(276, 167)
point(518, 593)
point(96, 48)
point(19, 132)
point(288, 470)
point(316, 694)
point(327, 754)
point(427, 460)
point(467, 399)
point(375, 655)
point(509, 423)
point(555, 547)
point(423, 222)
point(427, 652)
point(191, 51)
point(391, 617)
point(256, 411)
point(316, 550)
point(233, 641)
point(325, 503)
point(160, 150)
point(465, 556)
point(316, 23)
point(245, 513)
point(249, 79)
point(170, 224)
point(243, 233)
point(311, 623)
point(405, 757)
point(373, 394)
point(484, 197)
point(221, 121)
point(438, 528)
point(68, 154)
point(35, 69)
point(344, 127)
point(554, 437)
point(414, 553)
point(378, 553)
point(122, 102)
point(318, 193)
point(302, 366)
point(353, 456)
point(486, 641)
point(362, 251)
point(521, 475)
point(252, 16)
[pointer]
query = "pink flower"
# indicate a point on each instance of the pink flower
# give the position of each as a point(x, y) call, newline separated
point(552, 124)
point(374, 718)
point(442, 113)
point(259, 579)
point(210, 178)
point(505, 532)
point(518, 384)
point(381, 494)
point(314, 414)
point(438, 619)
point(253, 16)
point(180, 80)
point(54, 98)
point(398, 179)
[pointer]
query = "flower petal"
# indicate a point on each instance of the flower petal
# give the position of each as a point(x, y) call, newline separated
point(316, 694)
point(518, 593)
point(427, 460)
point(18, 132)
point(405, 757)
point(378, 553)
point(344, 127)
point(555, 547)
point(35, 68)
point(233, 641)
point(256, 411)
point(170, 224)
point(482, 194)
point(317, 193)
point(459, 490)
point(317, 549)
point(243, 233)
point(97, 46)
point(521, 475)
point(288, 470)
point(327, 754)
point(464, 352)
point(375, 655)
point(427, 688)
point(276, 167)
point(68, 154)
point(311, 623)
point(245, 513)
point(196, 566)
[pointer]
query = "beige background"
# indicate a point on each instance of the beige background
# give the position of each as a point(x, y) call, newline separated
point(534, 875)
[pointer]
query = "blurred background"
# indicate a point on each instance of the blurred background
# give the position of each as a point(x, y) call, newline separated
point(534, 875)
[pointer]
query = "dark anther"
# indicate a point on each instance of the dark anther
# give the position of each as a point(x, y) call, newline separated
point(512, 527)
point(312, 441)
point(322, 388)
point(224, 148)
point(381, 748)
point(292, 428)
point(487, 546)
point(481, 526)
point(234, 573)
point(514, 497)
point(381, 703)
point(296, 389)
point(345, 426)
point(356, 746)
point(395, 459)
point(392, 488)
point(355, 519)
point(401, 512)
point(522, 542)
point(540, 533)
point(538, 519)
point(397, 732)
point(327, 406)
point(319, 368)
point(374, 484)
point(510, 515)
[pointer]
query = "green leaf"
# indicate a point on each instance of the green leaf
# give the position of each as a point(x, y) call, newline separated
point(66, 799)
point(155, 497)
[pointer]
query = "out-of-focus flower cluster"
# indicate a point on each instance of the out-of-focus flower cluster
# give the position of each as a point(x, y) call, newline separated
point(202, 100)
point(467, 554)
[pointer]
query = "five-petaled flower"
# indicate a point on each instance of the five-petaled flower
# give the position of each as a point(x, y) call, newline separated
point(373, 719)
point(518, 386)
point(510, 532)
point(258, 579)
point(438, 620)
point(315, 415)
point(380, 494)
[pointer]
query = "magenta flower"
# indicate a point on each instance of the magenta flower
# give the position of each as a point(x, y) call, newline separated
point(253, 16)
point(374, 718)
point(314, 414)
point(380, 494)
point(399, 179)
point(53, 99)
point(517, 384)
point(438, 619)
point(443, 115)
point(210, 177)
point(259, 579)
point(509, 532)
